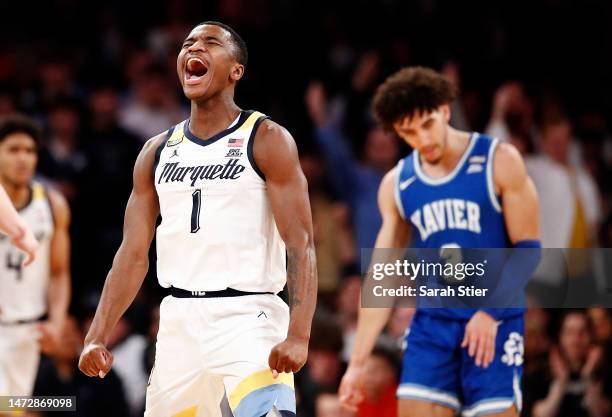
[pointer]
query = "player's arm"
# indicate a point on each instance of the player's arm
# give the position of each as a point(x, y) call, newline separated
point(58, 294)
point(276, 155)
point(521, 215)
point(130, 265)
point(16, 228)
point(394, 233)
point(518, 194)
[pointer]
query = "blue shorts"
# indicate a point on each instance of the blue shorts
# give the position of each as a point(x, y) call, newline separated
point(436, 369)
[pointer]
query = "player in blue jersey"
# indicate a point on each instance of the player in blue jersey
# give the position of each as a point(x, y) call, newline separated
point(455, 189)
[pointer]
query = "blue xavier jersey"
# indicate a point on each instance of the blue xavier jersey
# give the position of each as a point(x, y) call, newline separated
point(460, 209)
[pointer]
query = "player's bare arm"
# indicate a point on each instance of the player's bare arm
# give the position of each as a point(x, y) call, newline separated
point(130, 265)
point(394, 233)
point(58, 295)
point(518, 194)
point(521, 215)
point(16, 228)
point(276, 155)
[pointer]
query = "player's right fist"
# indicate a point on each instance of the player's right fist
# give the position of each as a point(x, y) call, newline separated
point(351, 387)
point(95, 360)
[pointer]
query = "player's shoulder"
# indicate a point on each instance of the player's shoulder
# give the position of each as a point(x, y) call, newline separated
point(151, 148)
point(156, 141)
point(273, 139)
point(59, 206)
point(386, 189)
point(390, 178)
point(507, 157)
point(271, 131)
point(508, 165)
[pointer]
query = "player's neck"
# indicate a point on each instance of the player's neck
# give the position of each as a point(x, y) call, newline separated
point(18, 194)
point(212, 116)
point(456, 146)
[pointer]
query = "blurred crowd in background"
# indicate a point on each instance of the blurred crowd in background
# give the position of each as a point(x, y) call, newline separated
point(102, 81)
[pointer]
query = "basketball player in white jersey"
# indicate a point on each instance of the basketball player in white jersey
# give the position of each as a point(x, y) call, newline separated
point(235, 226)
point(16, 228)
point(34, 299)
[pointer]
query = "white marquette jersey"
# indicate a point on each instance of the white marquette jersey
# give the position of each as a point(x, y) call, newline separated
point(23, 290)
point(217, 229)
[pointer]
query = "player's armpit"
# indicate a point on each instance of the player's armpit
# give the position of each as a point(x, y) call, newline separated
point(518, 194)
point(276, 156)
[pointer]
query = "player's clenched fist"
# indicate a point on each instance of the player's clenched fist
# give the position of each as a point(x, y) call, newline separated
point(288, 356)
point(95, 360)
point(351, 387)
point(479, 338)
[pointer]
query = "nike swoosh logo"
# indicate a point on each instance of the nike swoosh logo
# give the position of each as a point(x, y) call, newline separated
point(404, 184)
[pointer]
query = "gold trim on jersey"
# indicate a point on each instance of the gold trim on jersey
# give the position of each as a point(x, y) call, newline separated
point(188, 412)
point(249, 122)
point(38, 191)
point(177, 135)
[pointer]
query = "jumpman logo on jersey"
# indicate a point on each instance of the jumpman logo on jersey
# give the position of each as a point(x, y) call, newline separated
point(175, 153)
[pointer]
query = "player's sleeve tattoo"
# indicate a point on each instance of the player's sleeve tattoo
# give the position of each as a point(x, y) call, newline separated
point(300, 274)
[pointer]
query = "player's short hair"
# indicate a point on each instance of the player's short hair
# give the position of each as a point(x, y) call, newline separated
point(17, 123)
point(242, 54)
point(408, 91)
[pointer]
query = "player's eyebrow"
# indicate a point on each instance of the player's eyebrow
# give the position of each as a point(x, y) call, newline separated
point(213, 38)
point(192, 38)
point(429, 119)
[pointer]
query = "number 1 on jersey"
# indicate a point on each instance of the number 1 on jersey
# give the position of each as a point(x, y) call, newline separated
point(196, 198)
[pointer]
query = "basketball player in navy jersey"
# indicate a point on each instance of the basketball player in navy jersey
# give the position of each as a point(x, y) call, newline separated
point(235, 226)
point(464, 361)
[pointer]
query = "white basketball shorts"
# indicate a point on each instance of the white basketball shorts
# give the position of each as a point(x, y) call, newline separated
point(19, 358)
point(212, 357)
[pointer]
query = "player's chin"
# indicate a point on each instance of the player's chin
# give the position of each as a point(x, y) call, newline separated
point(22, 180)
point(195, 92)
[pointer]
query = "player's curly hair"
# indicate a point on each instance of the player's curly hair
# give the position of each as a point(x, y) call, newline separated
point(17, 123)
point(410, 90)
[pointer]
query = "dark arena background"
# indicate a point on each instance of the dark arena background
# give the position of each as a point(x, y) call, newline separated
point(100, 77)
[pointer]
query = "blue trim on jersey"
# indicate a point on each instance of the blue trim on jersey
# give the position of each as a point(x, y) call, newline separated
point(28, 201)
point(205, 142)
point(250, 145)
point(160, 147)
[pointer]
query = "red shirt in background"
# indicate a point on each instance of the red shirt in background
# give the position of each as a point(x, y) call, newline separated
point(386, 406)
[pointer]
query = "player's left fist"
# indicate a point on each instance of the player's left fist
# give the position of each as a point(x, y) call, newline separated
point(289, 355)
point(479, 338)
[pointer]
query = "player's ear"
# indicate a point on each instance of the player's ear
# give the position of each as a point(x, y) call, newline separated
point(237, 72)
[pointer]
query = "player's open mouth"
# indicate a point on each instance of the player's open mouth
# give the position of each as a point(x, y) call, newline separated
point(195, 70)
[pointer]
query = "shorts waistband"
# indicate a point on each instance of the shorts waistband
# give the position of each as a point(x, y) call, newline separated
point(24, 321)
point(228, 292)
